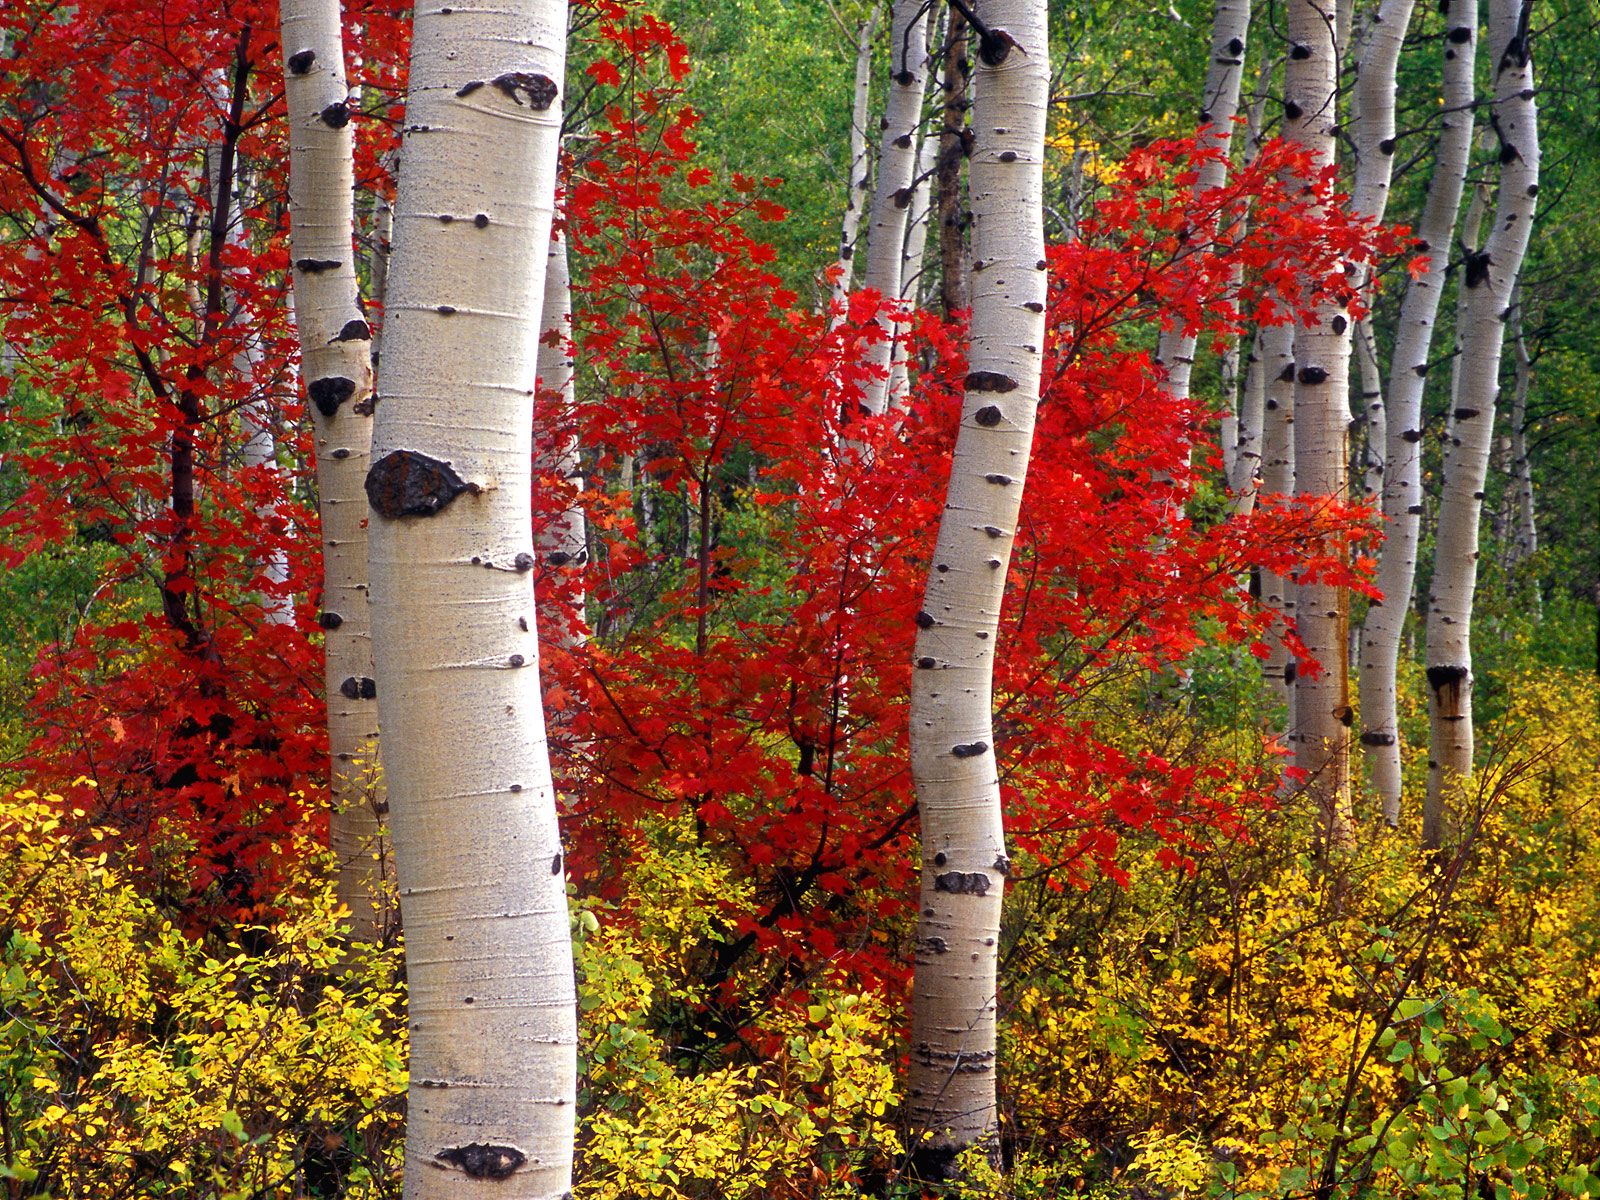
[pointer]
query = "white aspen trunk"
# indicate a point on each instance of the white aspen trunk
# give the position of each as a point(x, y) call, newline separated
point(1277, 479)
point(860, 165)
point(382, 235)
point(1524, 526)
point(1488, 279)
point(1408, 369)
point(891, 197)
point(1372, 128)
point(915, 250)
point(477, 848)
point(1471, 244)
point(917, 220)
point(1229, 27)
point(562, 545)
point(951, 1088)
point(1374, 419)
point(335, 362)
point(1320, 735)
point(1245, 478)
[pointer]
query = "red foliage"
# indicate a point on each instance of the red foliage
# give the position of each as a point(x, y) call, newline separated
point(753, 594)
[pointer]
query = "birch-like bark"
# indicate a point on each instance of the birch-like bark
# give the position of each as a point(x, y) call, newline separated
point(1488, 279)
point(473, 820)
point(562, 543)
point(1249, 428)
point(915, 251)
point(1408, 370)
point(891, 196)
point(1229, 27)
point(1374, 419)
point(1372, 129)
point(335, 362)
point(1244, 481)
point(951, 1101)
point(860, 166)
point(1320, 735)
point(1524, 526)
point(1277, 479)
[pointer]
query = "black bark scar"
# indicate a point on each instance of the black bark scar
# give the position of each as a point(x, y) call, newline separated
point(404, 483)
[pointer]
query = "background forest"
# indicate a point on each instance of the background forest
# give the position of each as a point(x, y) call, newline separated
point(1259, 939)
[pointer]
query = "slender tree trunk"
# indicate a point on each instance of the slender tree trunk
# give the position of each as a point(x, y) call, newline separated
point(1374, 419)
point(1277, 479)
point(478, 852)
point(1408, 370)
point(562, 542)
point(1229, 28)
point(860, 164)
point(1245, 477)
point(912, 258)
point(964, 865)
point(952, 154)
point(1320, 734)
point(1488, 279)
point(1524, 527)
point(335, 361)
point(891, 198)
point(1372, 127)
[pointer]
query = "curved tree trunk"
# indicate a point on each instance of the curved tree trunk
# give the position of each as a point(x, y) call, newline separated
point(951, 1088)
point(1408, 369)
point(891, 197)
point(1488, 279)
point(477, 849)
point(335, 362)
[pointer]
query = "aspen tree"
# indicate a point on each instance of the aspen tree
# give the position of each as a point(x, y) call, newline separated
point(562, 542)
point(860, 163)
point(1229, 27)
point(952, 1085)
point(1246, 429)
point(477, 850)
point(1277, 479)
point(1372, 129)
point(1408, 368)
point(891, 195)
point(1322, 713)
point(335, 361)
point(911, 258)
point(1488, 279)
point(1524, 540)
